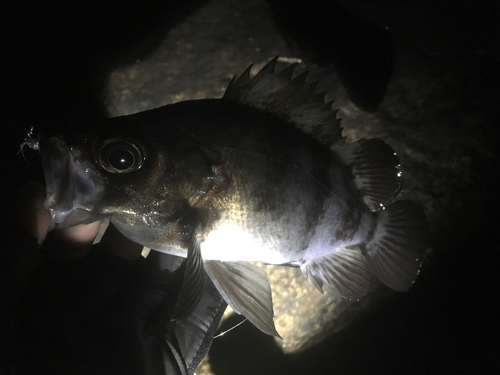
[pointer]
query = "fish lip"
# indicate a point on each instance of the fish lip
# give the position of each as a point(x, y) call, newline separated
point(72, 188)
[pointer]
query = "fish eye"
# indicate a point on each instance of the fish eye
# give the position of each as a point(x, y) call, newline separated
point(119, 156)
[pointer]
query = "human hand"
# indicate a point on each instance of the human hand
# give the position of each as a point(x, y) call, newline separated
point(69, 243)
point(90, 307)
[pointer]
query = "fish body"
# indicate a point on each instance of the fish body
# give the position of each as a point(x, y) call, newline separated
point(281, 199)
point(261, 175)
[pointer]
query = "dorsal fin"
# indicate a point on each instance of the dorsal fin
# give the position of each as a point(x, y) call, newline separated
point(288, 98)
point(376, 169)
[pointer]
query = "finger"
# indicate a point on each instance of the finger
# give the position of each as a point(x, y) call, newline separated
point(71, 243)
point(33, 216)
point(80, 236)
point(116, 243)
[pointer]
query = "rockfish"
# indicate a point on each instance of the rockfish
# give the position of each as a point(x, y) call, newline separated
point(260, 175)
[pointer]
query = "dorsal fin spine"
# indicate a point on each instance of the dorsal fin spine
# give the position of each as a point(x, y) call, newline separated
point(290, 99)
point(245, 77)
point(300, 80)
point(287, 72)
point(320, 98)
point(268, 69)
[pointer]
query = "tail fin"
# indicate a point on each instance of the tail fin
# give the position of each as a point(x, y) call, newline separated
point(398, 244)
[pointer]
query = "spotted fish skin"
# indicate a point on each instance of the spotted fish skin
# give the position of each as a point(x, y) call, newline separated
point(262, 175)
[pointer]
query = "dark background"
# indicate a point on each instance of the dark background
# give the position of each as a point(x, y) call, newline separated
point(55, 60)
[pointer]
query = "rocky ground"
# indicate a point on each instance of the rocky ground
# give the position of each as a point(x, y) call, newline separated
point(422, 76)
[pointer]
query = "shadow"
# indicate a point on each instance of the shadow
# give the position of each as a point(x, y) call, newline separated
point(244, 350)
point(56, 58)
point(58, 55)
point(326, 33)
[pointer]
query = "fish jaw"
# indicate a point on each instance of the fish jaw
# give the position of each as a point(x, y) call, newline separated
point(72, 188)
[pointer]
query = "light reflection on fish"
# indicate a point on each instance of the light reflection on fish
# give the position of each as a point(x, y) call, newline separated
point(262, 175)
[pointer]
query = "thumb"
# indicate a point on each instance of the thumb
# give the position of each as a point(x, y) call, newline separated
point(32, 215)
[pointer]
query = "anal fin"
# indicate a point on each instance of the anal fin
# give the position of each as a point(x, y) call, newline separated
point(245, 287)
point(344, 270)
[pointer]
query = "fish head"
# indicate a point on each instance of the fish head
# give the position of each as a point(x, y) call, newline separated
point(143, 180)
point(72, 188)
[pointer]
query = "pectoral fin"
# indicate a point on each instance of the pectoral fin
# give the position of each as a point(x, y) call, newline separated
point(193, 285)
point(245, 288)
point(194, 334)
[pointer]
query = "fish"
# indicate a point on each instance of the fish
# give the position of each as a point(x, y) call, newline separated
point(263, 174)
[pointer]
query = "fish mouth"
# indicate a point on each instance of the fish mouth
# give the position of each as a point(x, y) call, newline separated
point(73, 189)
